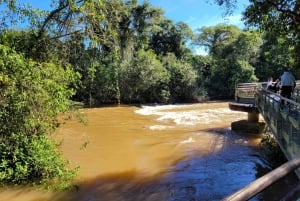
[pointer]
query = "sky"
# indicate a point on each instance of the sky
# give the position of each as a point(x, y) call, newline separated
point(198, 13)
point(195, 13)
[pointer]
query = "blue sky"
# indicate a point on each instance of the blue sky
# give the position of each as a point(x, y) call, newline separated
point(200, 13)
point(196, 13)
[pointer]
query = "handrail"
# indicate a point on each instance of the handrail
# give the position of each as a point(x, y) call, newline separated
point(263, 182)
point(244, 92)
point(281, 97)
point(267, 97)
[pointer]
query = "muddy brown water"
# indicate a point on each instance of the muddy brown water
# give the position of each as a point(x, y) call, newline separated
point(158, 153)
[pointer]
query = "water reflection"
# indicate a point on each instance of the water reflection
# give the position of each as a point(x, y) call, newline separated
point(155, 153)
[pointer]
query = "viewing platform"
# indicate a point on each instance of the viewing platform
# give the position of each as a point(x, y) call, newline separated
point(245, 102)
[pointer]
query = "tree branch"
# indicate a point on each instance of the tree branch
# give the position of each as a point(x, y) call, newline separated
point(62, 5)
point(292, 13)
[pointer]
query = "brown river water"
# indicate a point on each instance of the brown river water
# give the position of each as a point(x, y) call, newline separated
point(184, 152)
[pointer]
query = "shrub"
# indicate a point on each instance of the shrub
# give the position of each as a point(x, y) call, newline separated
point(32, 95)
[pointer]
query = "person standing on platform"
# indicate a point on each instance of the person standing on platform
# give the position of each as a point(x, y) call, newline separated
point(271, 85)
point(277, 85)
point(287, 85)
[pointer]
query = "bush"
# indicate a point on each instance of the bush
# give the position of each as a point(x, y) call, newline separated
point(33, 159)
point(32, 95)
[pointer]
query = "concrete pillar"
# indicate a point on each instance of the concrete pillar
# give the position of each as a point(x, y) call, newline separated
point(253, 116)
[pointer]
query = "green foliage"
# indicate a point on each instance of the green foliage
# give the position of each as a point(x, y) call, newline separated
point(171, 39)
point(142, 76)
point(279, 21)
point(100, 83)
point(275, 53)
point(13, 12)
point(217, 39)
point(202, 65)
point(32, 95)
point(232, 53)
point(279, 17)
point(272, 150)
point(33, 159)
point(182, 78)
point(39, 49)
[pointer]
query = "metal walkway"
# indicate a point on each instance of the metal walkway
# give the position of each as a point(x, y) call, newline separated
point(284, 123)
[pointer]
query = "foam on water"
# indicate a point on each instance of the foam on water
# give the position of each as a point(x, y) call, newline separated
point(184, 115)
point(189, 140)
point(160, 127)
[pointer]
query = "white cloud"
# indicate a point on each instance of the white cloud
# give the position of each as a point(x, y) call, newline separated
point(215, 20)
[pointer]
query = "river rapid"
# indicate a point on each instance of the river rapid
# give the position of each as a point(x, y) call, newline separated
point(183, 152)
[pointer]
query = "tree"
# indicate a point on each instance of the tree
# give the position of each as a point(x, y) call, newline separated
point(230, 5)
point(202, 65)
point(274, 17)
point(281, 19)
point(277, 16)
point(144, 79)
point(275, 54)
point(182, 84)
point(233, 53)
point(171, 39)
point(215, 39)
point(24, 42)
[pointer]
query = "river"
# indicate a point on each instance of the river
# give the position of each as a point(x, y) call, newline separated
point(183, 152)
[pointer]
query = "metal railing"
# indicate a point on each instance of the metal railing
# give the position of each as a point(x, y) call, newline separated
point(283, 120)
point(245, 92)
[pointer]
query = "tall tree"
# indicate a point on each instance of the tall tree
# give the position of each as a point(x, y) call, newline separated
point(143, 79)
point(215, 39)
point(171, 38)
point(233, 53)
point(275, 53)
point(274, 16)
point(280, 18)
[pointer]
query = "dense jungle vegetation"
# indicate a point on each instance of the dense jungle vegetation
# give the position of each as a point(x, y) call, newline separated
point(110, 52)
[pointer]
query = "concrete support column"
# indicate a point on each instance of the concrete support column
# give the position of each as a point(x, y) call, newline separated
point(253, 116)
